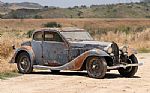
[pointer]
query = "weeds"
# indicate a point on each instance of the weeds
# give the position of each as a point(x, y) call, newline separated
point(144, 50)
point(5, 75)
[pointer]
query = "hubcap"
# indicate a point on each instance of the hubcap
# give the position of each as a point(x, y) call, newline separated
point(94, 67)
point(24, 63)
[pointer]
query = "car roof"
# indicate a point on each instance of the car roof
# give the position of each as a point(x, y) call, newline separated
point(64, 29)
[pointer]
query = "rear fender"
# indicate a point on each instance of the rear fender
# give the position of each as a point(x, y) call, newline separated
point(27, 49)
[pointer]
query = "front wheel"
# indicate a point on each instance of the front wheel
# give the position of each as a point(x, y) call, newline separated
point(96, 67)
point(24, 63)
point(129, 71)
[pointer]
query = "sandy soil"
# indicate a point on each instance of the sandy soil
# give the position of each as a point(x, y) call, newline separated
point(78, 82)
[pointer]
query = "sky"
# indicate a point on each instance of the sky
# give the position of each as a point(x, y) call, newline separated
point(70, 3)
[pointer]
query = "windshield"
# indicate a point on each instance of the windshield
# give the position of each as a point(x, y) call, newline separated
point(77, 35)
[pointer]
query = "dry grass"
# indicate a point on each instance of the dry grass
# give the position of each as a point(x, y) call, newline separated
point(14, 32)
point(6, 41)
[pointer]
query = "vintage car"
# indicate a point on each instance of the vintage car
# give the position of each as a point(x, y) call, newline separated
point(73, 49)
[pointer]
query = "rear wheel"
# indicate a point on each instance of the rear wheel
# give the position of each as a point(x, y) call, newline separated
point(24, 63)
point(96, 67)
point(129, 71)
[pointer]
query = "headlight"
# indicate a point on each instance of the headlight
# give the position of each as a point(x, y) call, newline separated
point(124, 49)
point(110, 50)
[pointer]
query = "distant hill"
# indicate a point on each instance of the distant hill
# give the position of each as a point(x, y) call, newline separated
point(25, 5)
point(33, 10)
point(1, 3)
point(5, 7)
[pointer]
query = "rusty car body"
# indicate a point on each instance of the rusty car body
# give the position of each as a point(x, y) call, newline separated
point(73, 49)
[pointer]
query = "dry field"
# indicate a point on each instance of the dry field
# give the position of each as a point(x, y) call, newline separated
point(134, 32)
point(78, 82)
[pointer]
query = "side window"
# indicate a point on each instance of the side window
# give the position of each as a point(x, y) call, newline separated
point(52, 36)
point(37, 36)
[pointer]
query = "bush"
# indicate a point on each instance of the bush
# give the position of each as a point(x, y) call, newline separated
point(37, 17)
point(124, 29)
point(5, 49)
point(29, 33)
point(52, 24)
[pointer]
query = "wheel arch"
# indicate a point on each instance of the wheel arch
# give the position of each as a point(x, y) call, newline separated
point(27, 50)
point(107, 58)
point(97, 53)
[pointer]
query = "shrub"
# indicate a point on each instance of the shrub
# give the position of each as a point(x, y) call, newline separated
point(52, 24)
point(29, 33)
point(37, 17)
point(5, 49)
point(124, 29)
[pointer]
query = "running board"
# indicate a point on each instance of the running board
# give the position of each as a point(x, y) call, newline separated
point(46, 67)
point(123, 66)
point(108, 67)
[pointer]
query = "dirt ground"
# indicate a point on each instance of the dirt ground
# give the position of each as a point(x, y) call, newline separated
point(78, 82)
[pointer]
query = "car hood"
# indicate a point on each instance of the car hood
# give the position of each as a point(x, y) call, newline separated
point(92, 44)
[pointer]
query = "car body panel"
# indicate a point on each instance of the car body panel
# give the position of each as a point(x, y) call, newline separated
point(55, 53)
point(37, 50)
point(77, 63)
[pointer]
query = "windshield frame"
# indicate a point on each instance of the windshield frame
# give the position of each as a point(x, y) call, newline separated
point(90, 38)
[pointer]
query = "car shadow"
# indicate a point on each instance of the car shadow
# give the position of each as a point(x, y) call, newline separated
point(84, 74)
point(114, 75)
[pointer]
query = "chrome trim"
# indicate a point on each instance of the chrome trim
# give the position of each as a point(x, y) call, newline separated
point(123, 66)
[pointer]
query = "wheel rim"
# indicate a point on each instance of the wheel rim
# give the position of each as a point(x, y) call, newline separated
point(95, 67)
point(24, 61)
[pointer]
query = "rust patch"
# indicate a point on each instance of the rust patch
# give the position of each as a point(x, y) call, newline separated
point(77, 62)
point(80, 60)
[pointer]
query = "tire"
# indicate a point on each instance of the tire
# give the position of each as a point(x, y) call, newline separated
point(129, 71)
point(55, 71)
point(24, 64)
point(96, 67)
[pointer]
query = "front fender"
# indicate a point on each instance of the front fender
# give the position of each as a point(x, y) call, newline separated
point(97, 52)
point(77, 63)
point(27, 49)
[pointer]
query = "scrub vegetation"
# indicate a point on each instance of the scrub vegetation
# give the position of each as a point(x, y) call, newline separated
point(133, 32)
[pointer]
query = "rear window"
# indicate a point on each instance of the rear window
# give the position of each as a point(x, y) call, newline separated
point(52, 36)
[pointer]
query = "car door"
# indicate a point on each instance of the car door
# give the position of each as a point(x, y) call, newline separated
point(37, 47)
point(55, 50)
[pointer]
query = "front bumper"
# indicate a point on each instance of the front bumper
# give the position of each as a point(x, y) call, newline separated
point(123, 66)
